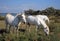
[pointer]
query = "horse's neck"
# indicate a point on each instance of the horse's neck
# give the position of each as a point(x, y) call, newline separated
point(42, 22)
point(16, 16)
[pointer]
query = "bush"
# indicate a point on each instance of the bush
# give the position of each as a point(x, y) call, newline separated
point(2, 18)
point(52, 27)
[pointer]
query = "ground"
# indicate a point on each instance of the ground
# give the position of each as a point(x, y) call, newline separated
point(25, 35)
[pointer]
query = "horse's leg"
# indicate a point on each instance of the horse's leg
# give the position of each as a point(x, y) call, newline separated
point(9, 27)
point(29, 27)
point(37, 27)
point(17, 30)
point(6, 27)
point(36, 32)
point(12, 29)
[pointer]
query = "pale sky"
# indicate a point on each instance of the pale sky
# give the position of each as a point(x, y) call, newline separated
point(15, 6)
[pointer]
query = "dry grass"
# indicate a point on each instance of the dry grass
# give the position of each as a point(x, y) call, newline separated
point(26, 36)
point(2, 24)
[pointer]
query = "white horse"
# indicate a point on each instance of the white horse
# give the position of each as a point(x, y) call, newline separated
point(36, 21)
point(13, 21)
point(44, 17)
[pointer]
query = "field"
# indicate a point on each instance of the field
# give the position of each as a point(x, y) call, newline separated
point(32, 35)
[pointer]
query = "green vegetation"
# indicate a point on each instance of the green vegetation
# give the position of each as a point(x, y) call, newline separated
point(32, 36)
point(2, 18)
point(48, 11)
point(54, 26)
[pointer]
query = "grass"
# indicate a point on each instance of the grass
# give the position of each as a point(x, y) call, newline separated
point(2, 24)
point(32, 35)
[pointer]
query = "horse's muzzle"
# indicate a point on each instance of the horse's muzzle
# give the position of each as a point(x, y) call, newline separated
point(24, 22)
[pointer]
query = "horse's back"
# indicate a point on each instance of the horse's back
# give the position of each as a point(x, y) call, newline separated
point(42, 16)
point(9, 18)
point(32, 20)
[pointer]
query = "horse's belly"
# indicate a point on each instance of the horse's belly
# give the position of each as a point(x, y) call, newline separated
point(10, 21)
point(31, 21)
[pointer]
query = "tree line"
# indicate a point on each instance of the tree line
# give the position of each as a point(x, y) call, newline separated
point(48, 11)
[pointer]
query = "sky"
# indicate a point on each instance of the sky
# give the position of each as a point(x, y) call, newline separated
point(16, 6)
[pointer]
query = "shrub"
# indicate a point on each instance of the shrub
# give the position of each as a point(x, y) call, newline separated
point(2, 18)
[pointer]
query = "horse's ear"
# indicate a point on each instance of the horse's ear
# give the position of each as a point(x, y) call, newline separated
point(21, 13)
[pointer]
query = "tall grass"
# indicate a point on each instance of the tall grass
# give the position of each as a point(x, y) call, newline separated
point(33, 35)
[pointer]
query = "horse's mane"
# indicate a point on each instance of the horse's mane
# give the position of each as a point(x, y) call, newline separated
point(17, 15)
point(8, 14)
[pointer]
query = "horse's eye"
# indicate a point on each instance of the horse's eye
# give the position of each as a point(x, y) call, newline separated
point(21, 16)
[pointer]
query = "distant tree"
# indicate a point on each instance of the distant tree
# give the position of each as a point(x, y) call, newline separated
point(51, 10)
point(30, 11)
point(57, 12)
point(44, 12)
point(2, 17)
point(48, 11)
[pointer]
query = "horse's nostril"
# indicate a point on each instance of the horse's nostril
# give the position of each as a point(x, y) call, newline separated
point(24, 22)
point(46, 34)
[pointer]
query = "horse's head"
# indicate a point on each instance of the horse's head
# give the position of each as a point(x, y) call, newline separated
point(23, 17)
point(46, 30)
point(19, 17)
